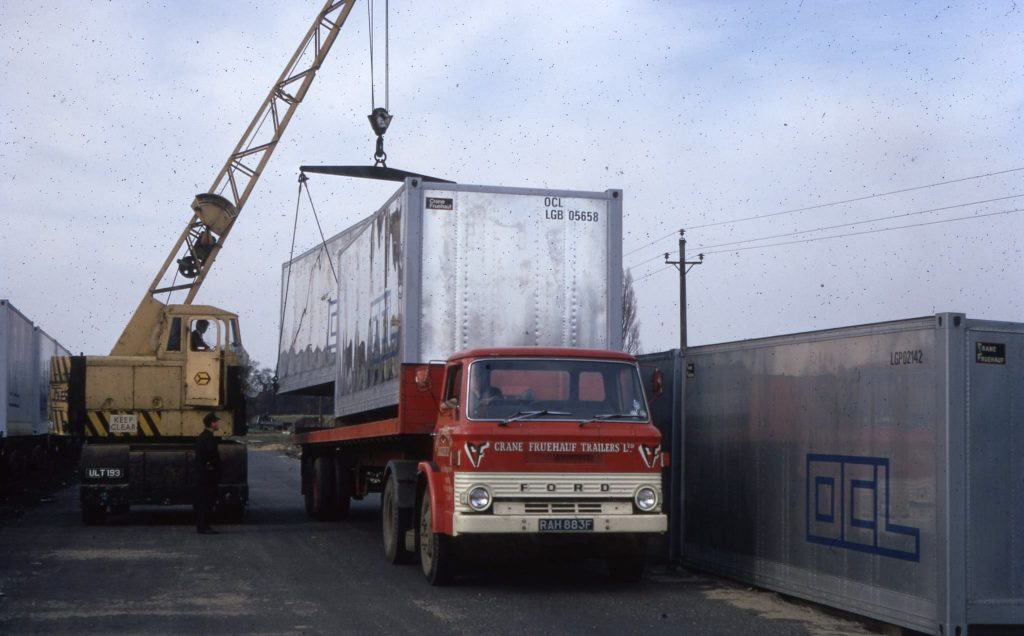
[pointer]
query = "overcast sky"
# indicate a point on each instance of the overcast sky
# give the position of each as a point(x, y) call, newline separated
point(707, 114)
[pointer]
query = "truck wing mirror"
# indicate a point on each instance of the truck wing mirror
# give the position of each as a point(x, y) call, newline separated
point(450, 404)
point(658, 383)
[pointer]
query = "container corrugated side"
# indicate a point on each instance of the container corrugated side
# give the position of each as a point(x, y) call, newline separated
point(830, 465)
point(18, 382)
point(449, 267)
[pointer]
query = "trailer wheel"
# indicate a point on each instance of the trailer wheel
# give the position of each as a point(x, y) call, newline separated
point(436, 554)
point(310, 504)
point(394, 525)
point(343, 489)
point(94, 515)
point(324, 489)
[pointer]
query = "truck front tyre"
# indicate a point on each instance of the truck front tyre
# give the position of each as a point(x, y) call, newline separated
point(394, 525)
point(94, 515)
point(437, 556)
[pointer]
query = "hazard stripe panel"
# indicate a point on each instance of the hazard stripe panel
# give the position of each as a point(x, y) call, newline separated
point(123, 424)
point(60, 376)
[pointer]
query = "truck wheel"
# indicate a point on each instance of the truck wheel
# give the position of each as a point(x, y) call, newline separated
point(343, 489)
point(93, 515)
point(324, 492)
point(308, 499)
point(436, 554)
point(393, 525)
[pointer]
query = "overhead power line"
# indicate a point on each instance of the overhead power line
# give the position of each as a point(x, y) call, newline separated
point(874, 231)
point(861, 222)
point(837, 236)
point(825, 205)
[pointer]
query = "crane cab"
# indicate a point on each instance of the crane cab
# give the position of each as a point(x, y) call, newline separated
point(207, 343)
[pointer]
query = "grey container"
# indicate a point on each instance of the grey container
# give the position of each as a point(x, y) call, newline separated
point(878, 469)
point(19, 384)
point(46, 348)
point(25, 354)
point(446, 267)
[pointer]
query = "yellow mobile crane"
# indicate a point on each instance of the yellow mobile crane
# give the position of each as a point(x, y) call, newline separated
point(140, 408)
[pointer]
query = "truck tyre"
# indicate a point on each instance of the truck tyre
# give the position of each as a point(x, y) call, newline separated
point(343, 488)
point(436, 554)
point(394, 524)
point(94, 515)
point(308, 500)
point(307, 485)
point(324, 489)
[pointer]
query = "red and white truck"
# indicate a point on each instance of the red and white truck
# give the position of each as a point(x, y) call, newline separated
point(470, 342)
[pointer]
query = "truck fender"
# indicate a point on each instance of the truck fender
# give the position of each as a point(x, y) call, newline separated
point(406, 477)
point(433, 487)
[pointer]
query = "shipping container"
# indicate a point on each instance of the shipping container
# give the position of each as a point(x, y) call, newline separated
point(48, 352)
point(442, 268)
point(27, 433)
point(19, 385)
point(878, 468)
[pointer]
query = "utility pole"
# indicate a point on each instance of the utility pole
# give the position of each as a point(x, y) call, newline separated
point(676, 504)
point(681, 265)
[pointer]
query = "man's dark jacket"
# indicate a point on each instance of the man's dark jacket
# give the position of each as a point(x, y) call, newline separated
point(207, 459)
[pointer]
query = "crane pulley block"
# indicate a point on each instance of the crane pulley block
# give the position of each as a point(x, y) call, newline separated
point(215, 211)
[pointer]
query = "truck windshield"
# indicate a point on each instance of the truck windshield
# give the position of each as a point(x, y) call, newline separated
point(545, 389)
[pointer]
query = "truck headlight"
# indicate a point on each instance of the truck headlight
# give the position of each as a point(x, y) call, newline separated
point(479, 498)
point(646, 498)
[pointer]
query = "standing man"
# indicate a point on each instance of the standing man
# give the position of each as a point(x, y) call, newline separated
point(207, 474)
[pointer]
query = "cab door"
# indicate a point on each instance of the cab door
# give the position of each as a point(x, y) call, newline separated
point(203, 361)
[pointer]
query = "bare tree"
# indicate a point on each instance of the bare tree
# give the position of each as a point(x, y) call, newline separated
point(630, 322)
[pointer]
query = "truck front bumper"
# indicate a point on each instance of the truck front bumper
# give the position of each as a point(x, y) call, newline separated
point(463, 523)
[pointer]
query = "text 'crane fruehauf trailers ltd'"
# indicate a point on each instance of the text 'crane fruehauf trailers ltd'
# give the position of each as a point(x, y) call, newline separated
point(470, 337)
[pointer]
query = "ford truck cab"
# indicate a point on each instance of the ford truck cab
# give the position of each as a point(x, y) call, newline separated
point(537, 441)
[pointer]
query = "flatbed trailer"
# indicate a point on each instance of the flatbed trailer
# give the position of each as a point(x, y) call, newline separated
point(500, 444)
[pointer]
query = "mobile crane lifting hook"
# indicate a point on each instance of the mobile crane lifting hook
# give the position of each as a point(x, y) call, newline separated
point(380, 119)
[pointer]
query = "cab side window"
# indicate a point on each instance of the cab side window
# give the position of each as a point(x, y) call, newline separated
point(201, 337)
point(174, 338)
point(453, 388)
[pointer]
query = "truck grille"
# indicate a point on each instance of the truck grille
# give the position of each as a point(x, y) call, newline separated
point(562, 507)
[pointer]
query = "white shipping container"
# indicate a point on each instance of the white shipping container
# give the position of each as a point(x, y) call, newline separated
point(18, 383)
point(445, 267)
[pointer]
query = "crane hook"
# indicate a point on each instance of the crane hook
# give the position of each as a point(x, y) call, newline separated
point(380, 119)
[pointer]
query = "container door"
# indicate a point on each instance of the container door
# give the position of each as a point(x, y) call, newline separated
point(202, 369)
point(995, 476)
